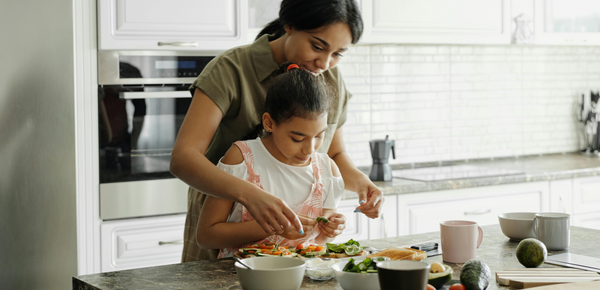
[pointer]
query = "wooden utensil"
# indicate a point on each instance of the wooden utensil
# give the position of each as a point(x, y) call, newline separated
point(572, 286)
point(534, 277)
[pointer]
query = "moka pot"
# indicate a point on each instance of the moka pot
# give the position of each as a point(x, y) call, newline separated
point(380, 152)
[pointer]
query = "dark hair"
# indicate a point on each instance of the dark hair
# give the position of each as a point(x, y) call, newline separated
point(294, 93)
point(312, 14)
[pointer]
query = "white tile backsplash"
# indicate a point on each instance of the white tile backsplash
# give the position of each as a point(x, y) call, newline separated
point(452, 102)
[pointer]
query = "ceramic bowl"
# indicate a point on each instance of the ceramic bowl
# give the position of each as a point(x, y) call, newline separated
point(271, 273)
point(402, 274)
point(355, 281)
point(517, 225)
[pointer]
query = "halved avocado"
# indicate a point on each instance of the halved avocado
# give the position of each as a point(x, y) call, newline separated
point(438, 280)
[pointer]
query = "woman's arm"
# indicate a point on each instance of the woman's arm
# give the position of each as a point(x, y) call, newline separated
point(354, 179)
point(189, 163)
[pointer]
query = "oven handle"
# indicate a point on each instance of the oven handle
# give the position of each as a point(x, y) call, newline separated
point(155, 95)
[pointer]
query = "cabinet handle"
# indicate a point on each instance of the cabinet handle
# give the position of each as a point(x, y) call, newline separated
point(160, 43)
point(478, 212)
point(160, 243)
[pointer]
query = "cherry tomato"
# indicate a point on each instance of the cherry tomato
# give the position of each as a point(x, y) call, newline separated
point(457, 286)
point(300, 246)
point(430, 287)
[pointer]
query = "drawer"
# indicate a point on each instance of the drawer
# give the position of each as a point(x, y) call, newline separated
point(143, 242)
point(423, 212)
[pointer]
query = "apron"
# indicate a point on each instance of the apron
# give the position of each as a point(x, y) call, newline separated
point(311, 207)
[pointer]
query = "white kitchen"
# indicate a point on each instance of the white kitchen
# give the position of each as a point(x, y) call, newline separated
point(479, 108)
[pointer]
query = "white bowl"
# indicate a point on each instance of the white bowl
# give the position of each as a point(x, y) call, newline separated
point(355, 281)
point(319, 269)
point(517, 225)
point(271, 273)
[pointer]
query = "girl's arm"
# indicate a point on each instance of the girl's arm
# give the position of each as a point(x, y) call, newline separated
point(215, 233)
point(369, 194)
point(189, 164)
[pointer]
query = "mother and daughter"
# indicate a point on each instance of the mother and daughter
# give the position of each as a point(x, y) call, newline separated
point(272, 188)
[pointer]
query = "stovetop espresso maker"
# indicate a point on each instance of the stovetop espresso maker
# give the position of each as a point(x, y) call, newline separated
point(380, 152)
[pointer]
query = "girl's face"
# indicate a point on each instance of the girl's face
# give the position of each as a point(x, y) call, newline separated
point(317, 50)
point(293, 141)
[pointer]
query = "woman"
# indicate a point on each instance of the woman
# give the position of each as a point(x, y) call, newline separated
point(228, 103)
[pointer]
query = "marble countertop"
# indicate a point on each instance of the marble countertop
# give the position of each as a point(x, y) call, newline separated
point(496, 250)
point(534, 168)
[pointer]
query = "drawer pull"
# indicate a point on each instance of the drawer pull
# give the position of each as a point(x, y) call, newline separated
point(478, 212)
point(160, 243)
point(180, 44)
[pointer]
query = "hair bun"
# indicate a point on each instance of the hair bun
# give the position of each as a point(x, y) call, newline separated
point(292, 66)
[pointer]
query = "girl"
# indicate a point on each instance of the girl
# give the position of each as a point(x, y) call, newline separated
point(284, 162)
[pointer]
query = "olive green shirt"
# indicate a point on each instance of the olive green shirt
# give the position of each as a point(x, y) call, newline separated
point(237, 81)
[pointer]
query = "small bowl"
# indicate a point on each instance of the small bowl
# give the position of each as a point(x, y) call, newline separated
point(355, 281)
point(517, 225)
point(319, 269)
point(271, 273)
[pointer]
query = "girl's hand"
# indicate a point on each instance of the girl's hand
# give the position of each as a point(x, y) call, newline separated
point(272, 213)
point(370, 197)
point(335, 226)
point(307, 223)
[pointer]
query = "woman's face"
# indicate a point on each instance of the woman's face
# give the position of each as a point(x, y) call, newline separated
point(295, 140)
point(317, 50)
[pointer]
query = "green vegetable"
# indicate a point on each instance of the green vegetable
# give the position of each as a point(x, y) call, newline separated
point(339, 248)
point(438, 280)
point(322, 219)
point(366, 266)
point(531, 253)
point(475, 275)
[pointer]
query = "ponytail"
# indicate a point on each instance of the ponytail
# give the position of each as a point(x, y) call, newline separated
point(274, 27)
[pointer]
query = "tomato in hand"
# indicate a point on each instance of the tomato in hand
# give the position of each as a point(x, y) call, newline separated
point(457, 286)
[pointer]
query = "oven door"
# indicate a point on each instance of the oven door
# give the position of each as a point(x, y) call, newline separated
point(138, 125)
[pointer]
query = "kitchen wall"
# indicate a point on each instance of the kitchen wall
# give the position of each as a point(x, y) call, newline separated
point(456, 102)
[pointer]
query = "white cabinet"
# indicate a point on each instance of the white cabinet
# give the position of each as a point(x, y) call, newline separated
point(387, 224)
point(357, 224)
point(171, 24)
point(144, 242)
point(567, 22)
point(260, 13)
point(434, 21)
point(422, 212)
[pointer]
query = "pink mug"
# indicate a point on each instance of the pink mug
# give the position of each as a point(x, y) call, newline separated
point(459, 240)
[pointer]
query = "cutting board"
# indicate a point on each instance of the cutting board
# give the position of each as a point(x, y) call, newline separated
point(535, 277)
point(572, 286)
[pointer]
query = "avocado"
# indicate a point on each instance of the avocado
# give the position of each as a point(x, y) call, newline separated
point(475, 275)
point(439, 279)
point(531, 252)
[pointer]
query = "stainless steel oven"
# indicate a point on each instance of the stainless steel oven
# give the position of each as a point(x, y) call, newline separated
point(143, 98)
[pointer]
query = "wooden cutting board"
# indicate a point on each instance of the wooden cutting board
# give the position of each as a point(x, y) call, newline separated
point(572, 286)
point(535, 277)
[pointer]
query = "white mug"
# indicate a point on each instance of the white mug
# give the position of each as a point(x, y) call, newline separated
point(552, 229)
point(459, 240)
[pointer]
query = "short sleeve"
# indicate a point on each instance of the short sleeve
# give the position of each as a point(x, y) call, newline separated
point(237, 170)
point(218, 80)
point(345, 95)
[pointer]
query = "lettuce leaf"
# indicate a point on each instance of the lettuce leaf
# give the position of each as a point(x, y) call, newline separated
point(351, 247)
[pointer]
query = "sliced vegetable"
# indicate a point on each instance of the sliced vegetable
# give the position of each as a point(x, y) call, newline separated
point(266, 246)
point(299, 247)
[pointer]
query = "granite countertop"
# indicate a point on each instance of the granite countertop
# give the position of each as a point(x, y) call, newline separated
point(496, 250)
point(534, 168)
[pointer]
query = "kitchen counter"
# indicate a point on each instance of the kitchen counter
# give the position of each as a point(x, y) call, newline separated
point(496, 250)
point(534, 168)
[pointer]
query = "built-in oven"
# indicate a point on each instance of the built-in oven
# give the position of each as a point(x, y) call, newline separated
point(143, 97)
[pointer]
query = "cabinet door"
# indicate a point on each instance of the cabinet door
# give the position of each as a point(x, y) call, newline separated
point(434, 21)
point(567, 22)
point(423, 212)
point(357, 224)
point(144, 242)
point(586, 195)
point(590, 220)
point(172, 24)
point(387, 224)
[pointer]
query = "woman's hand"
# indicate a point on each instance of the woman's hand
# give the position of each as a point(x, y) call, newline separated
point(335, 226)
point(370, 197)
point(307, 223)
point(272, 213)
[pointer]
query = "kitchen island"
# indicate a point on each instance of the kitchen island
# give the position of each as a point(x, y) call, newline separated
point(496, 250)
